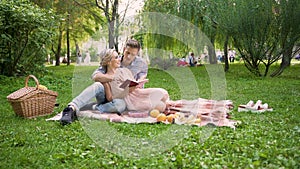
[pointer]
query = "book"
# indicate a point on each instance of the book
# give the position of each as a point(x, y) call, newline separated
point(132, 83)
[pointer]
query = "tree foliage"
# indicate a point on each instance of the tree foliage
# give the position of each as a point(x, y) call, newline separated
point(79, 20)
point(189, 10)
point(287, 16)
point(25, 31)
point(263, 32)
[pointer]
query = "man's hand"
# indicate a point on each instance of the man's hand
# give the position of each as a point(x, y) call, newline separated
point(103, 78)
point(108, 93)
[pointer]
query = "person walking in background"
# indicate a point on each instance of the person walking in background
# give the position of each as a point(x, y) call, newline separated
point(87, 59)
point(79, 58)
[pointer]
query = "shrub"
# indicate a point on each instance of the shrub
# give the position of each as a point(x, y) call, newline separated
point(25, 31)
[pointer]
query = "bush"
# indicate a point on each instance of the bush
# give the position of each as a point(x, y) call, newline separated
point(25, 30)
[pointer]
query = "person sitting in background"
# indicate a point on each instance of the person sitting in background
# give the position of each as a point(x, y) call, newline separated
point(192, 60)
point(182, 62)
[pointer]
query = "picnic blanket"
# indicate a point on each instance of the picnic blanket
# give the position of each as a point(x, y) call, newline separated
point(188, 112)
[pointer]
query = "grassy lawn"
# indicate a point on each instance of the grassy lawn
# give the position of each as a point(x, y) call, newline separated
point(267, 140)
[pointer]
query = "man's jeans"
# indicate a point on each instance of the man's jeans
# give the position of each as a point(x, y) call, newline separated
point(96, 90)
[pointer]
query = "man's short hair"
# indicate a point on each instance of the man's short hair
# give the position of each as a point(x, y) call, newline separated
point(133, 44)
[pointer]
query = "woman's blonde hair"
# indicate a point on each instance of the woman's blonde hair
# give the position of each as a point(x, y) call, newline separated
point(106, 56)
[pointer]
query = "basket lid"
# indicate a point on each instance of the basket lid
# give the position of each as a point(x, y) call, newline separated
point(27, 92)
point(21, 92)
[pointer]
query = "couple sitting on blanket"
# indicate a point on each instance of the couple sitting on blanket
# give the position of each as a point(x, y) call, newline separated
point(111, 98)
point(112, 73)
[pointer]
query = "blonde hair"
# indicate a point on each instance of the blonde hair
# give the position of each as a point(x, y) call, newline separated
point(106, 56)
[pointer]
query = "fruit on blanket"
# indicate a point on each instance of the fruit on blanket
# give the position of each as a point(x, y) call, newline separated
point(170, 118)
point(198, 120)
point(42, 87)
point(161, 117)
point(154, 113)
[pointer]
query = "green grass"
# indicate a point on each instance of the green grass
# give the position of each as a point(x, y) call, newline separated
point(268, 140)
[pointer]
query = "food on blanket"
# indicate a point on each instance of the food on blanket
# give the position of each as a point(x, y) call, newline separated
point(42, 87)
point(161, 117)
point(154, 113)
point(198, 120)
point(170, 118)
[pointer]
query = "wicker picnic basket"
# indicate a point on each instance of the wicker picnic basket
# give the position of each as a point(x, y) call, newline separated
point(32, 102)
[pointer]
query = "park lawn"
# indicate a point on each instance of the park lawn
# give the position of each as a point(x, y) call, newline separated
point(267, 140)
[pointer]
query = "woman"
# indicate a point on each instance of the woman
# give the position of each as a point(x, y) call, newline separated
point(136, 98)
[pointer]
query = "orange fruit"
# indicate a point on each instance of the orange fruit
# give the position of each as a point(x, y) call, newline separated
point(161, 117)
point(154, 113)
point(170, 118)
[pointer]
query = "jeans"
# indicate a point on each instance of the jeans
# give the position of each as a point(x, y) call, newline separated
point(96, 90)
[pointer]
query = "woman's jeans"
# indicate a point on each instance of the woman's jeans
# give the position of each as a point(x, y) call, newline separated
point(96, 90)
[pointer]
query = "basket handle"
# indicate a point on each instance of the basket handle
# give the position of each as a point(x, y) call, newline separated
point(35, 79)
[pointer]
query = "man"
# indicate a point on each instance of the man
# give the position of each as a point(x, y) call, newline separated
point(130, 60)
point(192, 60)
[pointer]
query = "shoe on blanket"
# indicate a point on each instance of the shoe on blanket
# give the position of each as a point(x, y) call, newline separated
point(68, 116)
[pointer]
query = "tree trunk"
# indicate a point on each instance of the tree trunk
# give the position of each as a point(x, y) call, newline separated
point(117, 33)
point(267, 69)
point(226, 68)
point(57, 56)
point(77, 52)
point(111, 13)
point(68, 46)
point(285, 62)
point(211, 53)
point(111, 37)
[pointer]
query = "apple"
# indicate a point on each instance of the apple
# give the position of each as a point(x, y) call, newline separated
point(170, 118)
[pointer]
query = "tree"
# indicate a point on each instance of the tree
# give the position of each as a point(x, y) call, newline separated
point(79, 20)
point(218, 14)
point(191, 11)
point(114, 18)
point(263, 32)
point(287, 14)
point(25, 31)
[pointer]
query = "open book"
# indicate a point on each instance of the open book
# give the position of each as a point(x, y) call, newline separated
point(131, 83)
